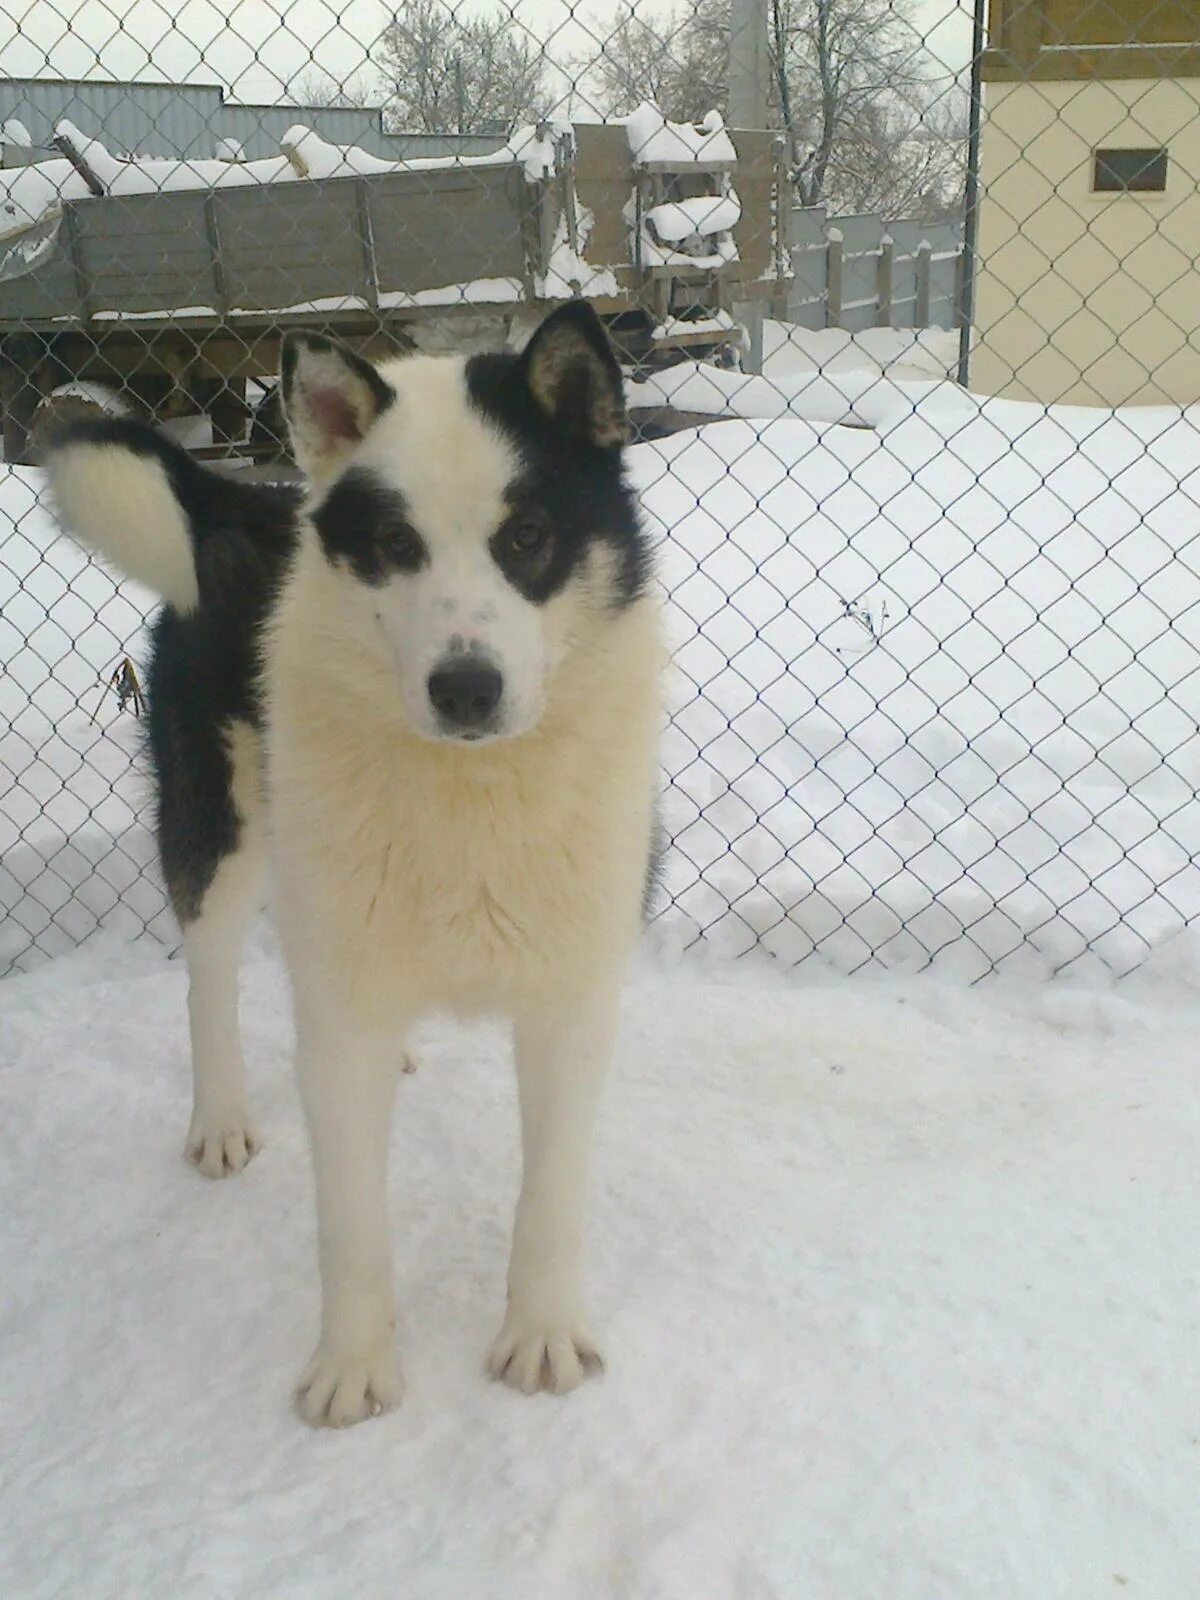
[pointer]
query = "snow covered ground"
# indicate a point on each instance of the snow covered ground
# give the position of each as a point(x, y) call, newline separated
point(897, 1284)
point(936, 680)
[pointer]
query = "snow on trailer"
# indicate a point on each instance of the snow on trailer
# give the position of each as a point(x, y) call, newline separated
point(168, 280)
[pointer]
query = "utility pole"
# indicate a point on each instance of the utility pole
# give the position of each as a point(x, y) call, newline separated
point(970, 255)
point(749, 73)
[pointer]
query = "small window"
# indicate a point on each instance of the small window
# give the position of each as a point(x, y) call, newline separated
point(1118, 171)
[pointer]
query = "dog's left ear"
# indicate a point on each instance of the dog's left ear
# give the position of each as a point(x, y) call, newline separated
point(572, 374)
point(330, 398)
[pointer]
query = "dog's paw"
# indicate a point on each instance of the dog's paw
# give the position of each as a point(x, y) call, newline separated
point(540, 1353)
point(221, 1148)
point(339, 1390)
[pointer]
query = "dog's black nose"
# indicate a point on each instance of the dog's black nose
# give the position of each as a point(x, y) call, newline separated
point(465, 693)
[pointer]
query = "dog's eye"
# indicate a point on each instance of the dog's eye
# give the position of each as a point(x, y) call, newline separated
point(404, 545)
point(526, 538)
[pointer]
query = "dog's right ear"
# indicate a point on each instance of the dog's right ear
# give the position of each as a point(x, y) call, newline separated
point(330, 398)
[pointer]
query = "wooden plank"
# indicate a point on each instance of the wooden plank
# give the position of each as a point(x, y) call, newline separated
point(604, 183)
point(428, 238)
point(289, 244)
point(73, 244)
point(366, 239)
point(44, 295)
point(212, 230)
point(148, 252)
point(686, 166)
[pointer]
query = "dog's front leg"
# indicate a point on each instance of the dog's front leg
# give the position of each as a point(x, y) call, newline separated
point(561, 1061)
point(347, 1082)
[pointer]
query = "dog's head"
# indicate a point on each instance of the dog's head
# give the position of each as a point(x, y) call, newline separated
point(473, 510)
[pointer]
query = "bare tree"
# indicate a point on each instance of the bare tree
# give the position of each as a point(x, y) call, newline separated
point(867, 122)
point(317, 88)
point(902, 161)
point(449, 74)
point(845, 67)
point(679, 61)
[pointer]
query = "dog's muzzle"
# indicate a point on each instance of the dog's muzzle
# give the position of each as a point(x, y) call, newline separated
point(466, 696)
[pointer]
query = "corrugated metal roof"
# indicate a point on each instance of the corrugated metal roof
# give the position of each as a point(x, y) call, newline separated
point(188, 120)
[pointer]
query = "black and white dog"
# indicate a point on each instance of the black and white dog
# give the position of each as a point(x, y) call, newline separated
point(427, 696)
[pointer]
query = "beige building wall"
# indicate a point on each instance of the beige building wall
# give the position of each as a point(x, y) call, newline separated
point(1088, 298)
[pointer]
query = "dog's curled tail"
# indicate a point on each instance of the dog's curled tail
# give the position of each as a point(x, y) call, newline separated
point(133, 496)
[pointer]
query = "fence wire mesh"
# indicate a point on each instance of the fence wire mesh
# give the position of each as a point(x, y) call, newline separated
point(906, 294)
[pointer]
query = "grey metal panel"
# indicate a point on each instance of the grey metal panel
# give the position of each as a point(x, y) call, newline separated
point(810, 263)
point(906, 235)
point(130, 119)
point(807, 227)
point(861, 240)
point(288, 244)
point(943, 312)
point(906, 238)
point(188, 120)
point(258, 129)
point(859, 233)
point(146, 252)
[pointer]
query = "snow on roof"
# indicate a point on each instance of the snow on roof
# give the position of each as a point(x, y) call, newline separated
point(653, 138)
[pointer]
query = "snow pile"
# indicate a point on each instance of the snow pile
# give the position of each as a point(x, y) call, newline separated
point(895, 352)
point(936, 687)
point(705, 214)
point(897, 1288)
point(76, 852)
point(723, 322)
point(109, 400)
point(854, 393)
point(653, 138)
point(314, 157)
point(537, 147)
point(16, 134)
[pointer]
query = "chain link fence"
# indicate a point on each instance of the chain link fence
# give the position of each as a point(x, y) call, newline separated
point(906, 291)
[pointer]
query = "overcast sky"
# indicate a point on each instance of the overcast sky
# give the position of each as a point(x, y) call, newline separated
point(256, 48)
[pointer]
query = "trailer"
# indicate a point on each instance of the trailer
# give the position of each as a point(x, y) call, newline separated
point(169, 284)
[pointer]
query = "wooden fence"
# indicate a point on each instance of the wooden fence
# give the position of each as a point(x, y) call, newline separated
point(864, 272)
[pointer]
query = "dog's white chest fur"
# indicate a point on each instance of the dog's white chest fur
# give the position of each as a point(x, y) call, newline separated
point(445, 876)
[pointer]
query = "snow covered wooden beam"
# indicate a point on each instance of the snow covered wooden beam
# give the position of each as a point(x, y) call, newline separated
point(66, 146)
